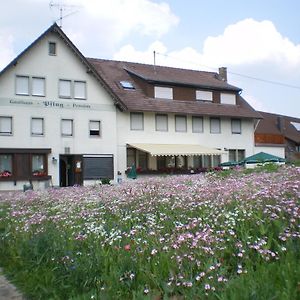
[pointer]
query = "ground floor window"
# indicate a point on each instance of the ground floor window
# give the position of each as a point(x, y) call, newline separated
point(24, 164)
point(236, 154)
point(5, 165)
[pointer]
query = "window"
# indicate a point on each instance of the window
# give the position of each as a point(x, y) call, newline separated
point(215, 125)
point(5, 125)
point(161, 122)
point(180, 124)
point(66, 127)
point(236, 127)
point(131, 157)
point(5, 165)
point(37, 126)
point(52, 48)
point(64, 88)
point(38, 165)
point(204, 95)
point(216, 160)
point(38, 86)
point(163, 92)
point(136, 121)
point(236, 154)
point(126, 85)
point(95, 128)
point(79, 89)
point(22, 85)
point(228, 98)
point(197, 124)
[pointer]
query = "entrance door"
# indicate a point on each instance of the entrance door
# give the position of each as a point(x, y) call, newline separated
point(70, 170)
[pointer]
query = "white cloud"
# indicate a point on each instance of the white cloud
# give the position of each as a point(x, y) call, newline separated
point(7, 52)
point(107, 23)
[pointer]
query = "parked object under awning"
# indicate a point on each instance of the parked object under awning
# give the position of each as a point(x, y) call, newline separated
point(176, 149)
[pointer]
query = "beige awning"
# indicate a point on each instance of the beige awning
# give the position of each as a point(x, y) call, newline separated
point(176, 149)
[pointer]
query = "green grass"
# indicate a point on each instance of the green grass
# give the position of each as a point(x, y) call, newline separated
point(232, 237)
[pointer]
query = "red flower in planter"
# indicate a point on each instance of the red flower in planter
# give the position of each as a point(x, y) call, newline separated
point(5, 174)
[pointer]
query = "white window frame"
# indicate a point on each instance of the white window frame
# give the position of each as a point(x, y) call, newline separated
point(94, 130)
point(134, 118)
point(19, 90)
point(10, 120)
point(36, 133)
point(75, 86)
point(71, 121)
point(178, 123)
point(162, 92)
point(161, 122)
point(236, 126)
point(41, 93)
point(214, 122)
point(204, 95)
point(61, 81)
point(194, 128)
point(228, 98)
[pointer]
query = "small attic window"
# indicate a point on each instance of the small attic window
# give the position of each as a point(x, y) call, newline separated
point(127, 85)
point(52, 48)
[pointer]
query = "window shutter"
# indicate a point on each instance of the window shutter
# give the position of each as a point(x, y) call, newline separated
point(236, 126)
point(65, 88)
point(37, 126)
point(161, 122)
point(6, 125)
point(215, 125)
point(79, 90)
point(163, 92)
point(38, 86)
point(197, 124)
point(67, 127)
point(228, 98)
point(204, 95)
point(180, 124)
point(137, 121)
point(22, 85)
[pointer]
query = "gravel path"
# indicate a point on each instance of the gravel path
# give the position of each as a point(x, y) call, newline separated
point(7, 290)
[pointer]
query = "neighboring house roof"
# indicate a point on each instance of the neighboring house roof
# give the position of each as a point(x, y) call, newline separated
point(136, 100)
point(279, 125)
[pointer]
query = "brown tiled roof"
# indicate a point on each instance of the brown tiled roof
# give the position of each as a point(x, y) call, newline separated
point(278, 124)
point(112, 72)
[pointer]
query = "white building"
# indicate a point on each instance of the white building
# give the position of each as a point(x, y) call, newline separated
point(66, 119)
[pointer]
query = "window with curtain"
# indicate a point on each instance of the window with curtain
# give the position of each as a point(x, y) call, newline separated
point(180, 124)
point(22, 85)
point(136, 121)
point(64, 88)
point(38, 86)
point(94, 128)
point(161, 122)
point(38, 165)
point(79, 89)
point(215, 125)
point(67, 127)
point(197, 124)
point(37, 126)
point(5, 125)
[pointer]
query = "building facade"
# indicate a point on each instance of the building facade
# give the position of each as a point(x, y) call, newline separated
point(66, 119)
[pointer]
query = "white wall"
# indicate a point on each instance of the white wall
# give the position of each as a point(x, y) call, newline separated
point(225, 139)
point(65, 65)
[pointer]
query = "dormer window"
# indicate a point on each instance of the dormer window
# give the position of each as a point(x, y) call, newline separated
point(296, 125)
point(227, 98)
point(127, 85)
point(204, 95)
point(163, 92)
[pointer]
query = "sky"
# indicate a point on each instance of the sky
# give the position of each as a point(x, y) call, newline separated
point(258, 40)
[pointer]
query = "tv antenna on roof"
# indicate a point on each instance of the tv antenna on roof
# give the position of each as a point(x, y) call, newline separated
point(63, 7)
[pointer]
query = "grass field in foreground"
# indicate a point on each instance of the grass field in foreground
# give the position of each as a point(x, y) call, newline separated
point(179, 237)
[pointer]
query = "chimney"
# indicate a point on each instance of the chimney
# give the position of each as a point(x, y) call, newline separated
point(223, 73)
point(280, 123)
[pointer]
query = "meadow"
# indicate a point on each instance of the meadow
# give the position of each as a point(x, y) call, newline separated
point(228, 235)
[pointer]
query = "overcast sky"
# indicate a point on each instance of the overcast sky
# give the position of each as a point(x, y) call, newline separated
point(258, 38)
